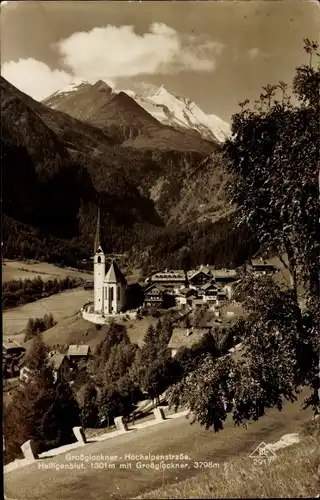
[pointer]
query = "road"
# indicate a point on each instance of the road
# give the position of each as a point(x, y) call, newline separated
point(172, 437)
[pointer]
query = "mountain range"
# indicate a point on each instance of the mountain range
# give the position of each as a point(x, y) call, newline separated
point(167, 108)
point(152, 162)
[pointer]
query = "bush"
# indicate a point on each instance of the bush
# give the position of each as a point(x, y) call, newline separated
point(38, 325)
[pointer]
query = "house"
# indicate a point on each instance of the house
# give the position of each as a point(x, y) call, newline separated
point(186, 296)
point(261, 267)
point(224, 276)
point(77, 353)
point(196, 302)
point(185, 337)
point(62, 366)
point(154, 296)
point(199, 278)
point(60, 363)
point(169, 280)
point(210, 294)
point(12, 348)
point(12, 354)
point(10, 366)
point(222, 297)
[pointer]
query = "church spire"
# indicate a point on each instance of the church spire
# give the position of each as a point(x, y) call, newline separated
point(97, 240)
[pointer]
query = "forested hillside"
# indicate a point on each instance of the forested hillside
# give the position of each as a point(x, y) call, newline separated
point(57, 169)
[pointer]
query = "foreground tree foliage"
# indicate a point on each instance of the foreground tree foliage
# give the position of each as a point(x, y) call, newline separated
point(273, 160)
point(40, 409)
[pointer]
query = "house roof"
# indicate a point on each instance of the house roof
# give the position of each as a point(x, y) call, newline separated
point(204, 271)
point(12, 344)
point(56, 359)
point(78, 350)
point(152, 287)
point(209, 285)
point(168, 275)
point(224, 273)
point(186, 337)
point(114, 275)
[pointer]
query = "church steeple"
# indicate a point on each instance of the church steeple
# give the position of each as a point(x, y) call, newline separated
point(97, 240)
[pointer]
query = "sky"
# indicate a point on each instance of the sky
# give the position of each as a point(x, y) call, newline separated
point(215, 53)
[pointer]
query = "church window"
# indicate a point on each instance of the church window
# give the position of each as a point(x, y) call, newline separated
point(99, 260)
point(106, 293)
point(111, 293)
point(118, 293)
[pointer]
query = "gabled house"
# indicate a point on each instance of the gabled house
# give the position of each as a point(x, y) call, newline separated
point(154, 296)
point(186, 296)
point(60, 363)
point(224, 276)
point(185, 337)
point(77, 353)
point(12, 354)
point(261, 267)
point(200, 277)
point(210, 294)
point(170, 280)
point(12, 348)
point(62, 366)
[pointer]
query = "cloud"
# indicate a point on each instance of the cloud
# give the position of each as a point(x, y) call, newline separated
point(34, 77)
point(254, 52)
point(113, 52)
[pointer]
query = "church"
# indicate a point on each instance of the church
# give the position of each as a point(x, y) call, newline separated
point(110, 287)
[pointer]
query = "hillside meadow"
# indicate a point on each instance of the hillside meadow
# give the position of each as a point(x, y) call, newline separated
point(16, 270)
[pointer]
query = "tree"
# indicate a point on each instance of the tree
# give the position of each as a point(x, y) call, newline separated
point(120, 359)
point(152, 367)
point(40, 409)
point(87, 398)
point(36, 357)
point(273, 161)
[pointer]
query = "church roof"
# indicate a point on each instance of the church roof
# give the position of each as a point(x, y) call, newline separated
point(114, 275)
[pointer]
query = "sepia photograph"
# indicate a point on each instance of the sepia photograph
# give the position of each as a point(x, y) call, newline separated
point(160, 196)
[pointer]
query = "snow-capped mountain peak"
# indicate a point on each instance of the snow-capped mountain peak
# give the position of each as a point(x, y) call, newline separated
point(181, 111)
point(169, 109)
point(74, 86)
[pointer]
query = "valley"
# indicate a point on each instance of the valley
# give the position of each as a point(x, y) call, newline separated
point(139, 169)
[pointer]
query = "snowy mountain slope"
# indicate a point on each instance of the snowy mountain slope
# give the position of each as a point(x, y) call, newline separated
point(181, 111)
point(175, 111)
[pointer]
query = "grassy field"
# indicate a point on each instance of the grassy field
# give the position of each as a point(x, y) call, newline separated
point(61, 305)
point(293, 473)
point(75, 329)
point(15, 269)
point(136, 329)
point(174, 436)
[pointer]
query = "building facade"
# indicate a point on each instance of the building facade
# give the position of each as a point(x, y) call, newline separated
point(110, 288)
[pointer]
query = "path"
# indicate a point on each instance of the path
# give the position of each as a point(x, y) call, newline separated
point(172, 437)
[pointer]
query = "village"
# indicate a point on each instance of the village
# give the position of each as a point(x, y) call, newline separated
point(198, 300)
